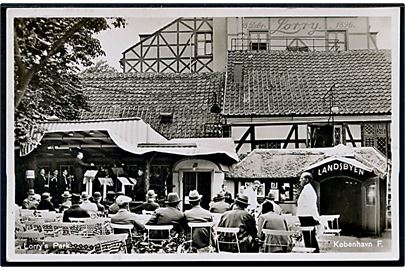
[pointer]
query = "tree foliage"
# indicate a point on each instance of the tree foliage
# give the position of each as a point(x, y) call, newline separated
point(101, 67)
point(47, 53)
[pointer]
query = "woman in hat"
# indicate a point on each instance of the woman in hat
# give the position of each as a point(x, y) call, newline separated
point(45, 203)
point(66, 203)
point(240, 218)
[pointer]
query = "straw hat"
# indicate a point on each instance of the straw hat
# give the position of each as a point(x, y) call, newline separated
point(194, 196)
point(66, 194)
point(122, 199)
point(151, 193)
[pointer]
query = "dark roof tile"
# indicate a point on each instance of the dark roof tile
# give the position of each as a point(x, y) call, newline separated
point(285, 83)
point(146, 95)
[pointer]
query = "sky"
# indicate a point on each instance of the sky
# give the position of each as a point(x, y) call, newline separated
point(116, 40)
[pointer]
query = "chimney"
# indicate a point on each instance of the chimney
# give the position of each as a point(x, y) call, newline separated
point(237, 72)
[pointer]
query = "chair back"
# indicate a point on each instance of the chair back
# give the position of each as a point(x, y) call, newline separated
point(73, 219)
point(277, 240)
point(223, 238)
point(161, 228)
point(194, 225)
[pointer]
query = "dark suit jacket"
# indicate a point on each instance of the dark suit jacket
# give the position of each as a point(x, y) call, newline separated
point(40, 183)
point(198, 214)
point(246, 223)
point(167, 216)
point(76, 212)
point(45, 205)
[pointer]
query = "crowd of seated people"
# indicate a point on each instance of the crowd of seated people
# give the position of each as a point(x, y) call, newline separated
point(250, 233)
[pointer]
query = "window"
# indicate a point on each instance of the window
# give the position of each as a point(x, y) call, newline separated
point(268, 145)
point(375, 135)
point(336, 40)
point(204, 44)
point(325, 135)
point(258, 41)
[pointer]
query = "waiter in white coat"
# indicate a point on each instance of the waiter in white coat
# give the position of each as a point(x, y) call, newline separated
point(307, 210)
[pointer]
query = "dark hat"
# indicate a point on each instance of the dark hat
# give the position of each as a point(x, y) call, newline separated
point(242, 198)
point(110, 192)
point(66, 194)
point(97, 194)
point(45, 196)
point(220, 196)
point(75, 198)
point(194, 196)
point(270, 196)
point(30, 192)
point(84, 196)
point(172, 198)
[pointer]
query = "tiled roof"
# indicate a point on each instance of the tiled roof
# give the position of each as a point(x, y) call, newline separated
point(290, 163)
point(296, 83)
point(188, 97)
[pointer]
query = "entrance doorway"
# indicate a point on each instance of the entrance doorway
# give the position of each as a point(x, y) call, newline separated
point(201, 181)
point(342, 195)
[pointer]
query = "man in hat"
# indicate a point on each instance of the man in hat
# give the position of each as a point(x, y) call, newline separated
point(276, 208)
point(197, 214)
point(113, 208)
point(125, 217)
point(97, 201)
point(45, 203)
point(150, 204)
point(29, 201)
point(169, 215)
point(110, 199)
point(240, 218)
point(67, 202)
point(307, 210)
point(220, 206)
point(87, 204)
point(75, 211)
point(272, 221)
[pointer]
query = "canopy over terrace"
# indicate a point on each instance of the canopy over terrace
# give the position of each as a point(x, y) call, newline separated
point(132, 135)
point(290, 163)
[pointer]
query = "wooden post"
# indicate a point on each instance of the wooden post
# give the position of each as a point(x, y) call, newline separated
point(288, 137)
point(297, 144)
point(252, 138)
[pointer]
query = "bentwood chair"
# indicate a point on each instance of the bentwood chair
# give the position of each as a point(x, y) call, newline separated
point(228, 236)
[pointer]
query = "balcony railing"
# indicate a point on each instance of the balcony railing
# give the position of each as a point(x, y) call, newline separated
point(287, 43)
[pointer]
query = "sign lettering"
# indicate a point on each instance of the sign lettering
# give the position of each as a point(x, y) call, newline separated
point(339, 167)
point(284, 26)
